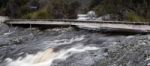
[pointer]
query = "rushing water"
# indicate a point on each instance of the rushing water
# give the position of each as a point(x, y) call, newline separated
point(34, 47)
point(46, 58)
point(54, 47)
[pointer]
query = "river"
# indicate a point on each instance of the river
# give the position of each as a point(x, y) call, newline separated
point(70, 47)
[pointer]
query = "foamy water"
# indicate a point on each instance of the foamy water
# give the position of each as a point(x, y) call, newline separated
point(46, 58)
point(63, 41)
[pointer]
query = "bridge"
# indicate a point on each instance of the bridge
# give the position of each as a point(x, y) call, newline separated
point(91, 24)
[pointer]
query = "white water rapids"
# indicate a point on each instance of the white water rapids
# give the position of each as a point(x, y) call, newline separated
point(67, 41)
point(46, 58)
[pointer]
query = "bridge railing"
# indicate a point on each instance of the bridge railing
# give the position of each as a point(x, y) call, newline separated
point(83, 21)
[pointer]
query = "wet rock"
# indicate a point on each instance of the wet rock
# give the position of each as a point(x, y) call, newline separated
point(80, 59)
point(130, 51)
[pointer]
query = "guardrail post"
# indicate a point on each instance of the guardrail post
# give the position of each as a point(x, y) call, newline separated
point(69, 24)
point(0, 21)
point(30, 26)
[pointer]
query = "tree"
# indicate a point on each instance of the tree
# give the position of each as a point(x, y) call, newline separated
point(121, 8)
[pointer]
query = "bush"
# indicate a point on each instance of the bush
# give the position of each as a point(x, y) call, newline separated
point(41, 14)
point(132, 16)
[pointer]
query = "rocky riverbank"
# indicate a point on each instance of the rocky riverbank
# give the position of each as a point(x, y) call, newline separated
point(130, 51)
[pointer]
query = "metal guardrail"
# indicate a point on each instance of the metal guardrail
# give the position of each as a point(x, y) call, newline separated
point(83, 21)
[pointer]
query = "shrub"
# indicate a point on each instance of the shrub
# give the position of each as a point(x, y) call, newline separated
point(132, 16)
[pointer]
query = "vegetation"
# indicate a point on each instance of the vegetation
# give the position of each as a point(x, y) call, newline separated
point(132, 10)
point(57, 9)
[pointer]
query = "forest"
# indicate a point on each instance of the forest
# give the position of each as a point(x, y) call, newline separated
point(129, 10)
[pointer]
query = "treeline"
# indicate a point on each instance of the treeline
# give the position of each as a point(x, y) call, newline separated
point(133, 10)
point(32, 9)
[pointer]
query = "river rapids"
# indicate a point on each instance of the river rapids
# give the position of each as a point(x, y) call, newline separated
point(70, 47)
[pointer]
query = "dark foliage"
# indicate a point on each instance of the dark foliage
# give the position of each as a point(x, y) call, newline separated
point(126, 9)
point(133, 10)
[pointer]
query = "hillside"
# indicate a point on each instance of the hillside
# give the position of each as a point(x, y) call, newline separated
point(132, 10)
